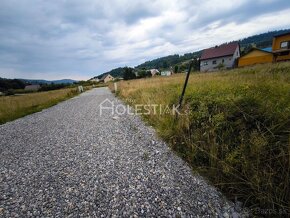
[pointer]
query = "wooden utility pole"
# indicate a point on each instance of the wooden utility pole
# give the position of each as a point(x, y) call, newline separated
point(185, 84)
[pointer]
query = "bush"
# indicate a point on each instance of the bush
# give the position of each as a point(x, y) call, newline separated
point(241, 146)
point(10, 92)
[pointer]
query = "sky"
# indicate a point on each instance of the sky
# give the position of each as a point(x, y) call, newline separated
point(80, 39)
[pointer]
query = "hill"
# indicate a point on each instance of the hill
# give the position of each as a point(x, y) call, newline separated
point(260, 41)
point(118, 72)
point(168, 61)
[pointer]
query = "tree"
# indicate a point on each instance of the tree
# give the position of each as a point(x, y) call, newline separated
point(220, 66)
point(247, 49)
point(144, 73)
point(6, 84)
point(148, 73)
point(129, 74)
point(196, 64)
point(165, 64)
point(176, 69)
point(141, 73)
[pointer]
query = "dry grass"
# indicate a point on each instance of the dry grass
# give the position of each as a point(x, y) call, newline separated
point(13, 107)
point(236, 131)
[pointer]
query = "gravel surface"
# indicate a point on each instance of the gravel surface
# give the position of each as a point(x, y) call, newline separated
point(68, 161)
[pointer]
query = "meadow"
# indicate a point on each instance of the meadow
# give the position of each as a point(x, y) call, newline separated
point(234, 128)
point(13, 107)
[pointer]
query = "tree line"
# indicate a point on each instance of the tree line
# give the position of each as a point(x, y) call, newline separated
point(6, 84)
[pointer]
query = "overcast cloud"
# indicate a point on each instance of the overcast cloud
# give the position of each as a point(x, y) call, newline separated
point(58, 39)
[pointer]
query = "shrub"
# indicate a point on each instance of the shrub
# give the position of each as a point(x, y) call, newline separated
point(10, 92)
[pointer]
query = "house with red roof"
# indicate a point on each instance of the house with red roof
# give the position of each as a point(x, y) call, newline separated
point(220, 57)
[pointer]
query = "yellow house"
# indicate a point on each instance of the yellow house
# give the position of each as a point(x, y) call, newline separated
point(281, 47)
point(256, 56)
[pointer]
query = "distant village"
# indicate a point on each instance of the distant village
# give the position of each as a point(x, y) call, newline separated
point(227, 56)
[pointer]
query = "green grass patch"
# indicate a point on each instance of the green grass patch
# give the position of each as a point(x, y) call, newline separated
point(13, 107)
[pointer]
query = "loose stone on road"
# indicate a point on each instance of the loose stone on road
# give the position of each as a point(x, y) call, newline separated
point(68, 160)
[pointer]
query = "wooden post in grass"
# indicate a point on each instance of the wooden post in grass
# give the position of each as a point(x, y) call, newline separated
point(185, 84)
point(115, 87)
point(80, 89)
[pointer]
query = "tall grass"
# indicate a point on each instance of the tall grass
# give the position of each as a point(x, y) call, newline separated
point(13, 107)
point(234, 131)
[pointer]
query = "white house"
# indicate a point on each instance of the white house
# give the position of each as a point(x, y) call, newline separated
point(95, 79)
point(154, 72)
point(223, 56)
point(166, 73)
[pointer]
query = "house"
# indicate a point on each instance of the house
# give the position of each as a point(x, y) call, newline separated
point(166, 73)
point(154, 72)
point(281, 47)
point(32, 88)
point(280, 51)
point(106, 78)
point(95, 79)
point(223, 56)
point(256, 56)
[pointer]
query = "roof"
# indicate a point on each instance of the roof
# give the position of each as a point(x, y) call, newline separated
point(32, 87)
point(282, 34)
point(257, 49)
point(268, 49)
point(104, 76)
point(219, 51)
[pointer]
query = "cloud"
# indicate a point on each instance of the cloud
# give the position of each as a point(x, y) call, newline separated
point(81, 39)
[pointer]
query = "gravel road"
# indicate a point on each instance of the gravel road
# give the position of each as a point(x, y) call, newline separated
point(69, 161)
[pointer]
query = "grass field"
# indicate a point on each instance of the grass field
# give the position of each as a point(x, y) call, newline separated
point(13, 107)
point(235, 131)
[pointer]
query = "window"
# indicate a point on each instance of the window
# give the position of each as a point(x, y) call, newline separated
point(223, 60)
point(284, 45)
point(284, 53)
point(214, 62)
point(205, 63)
